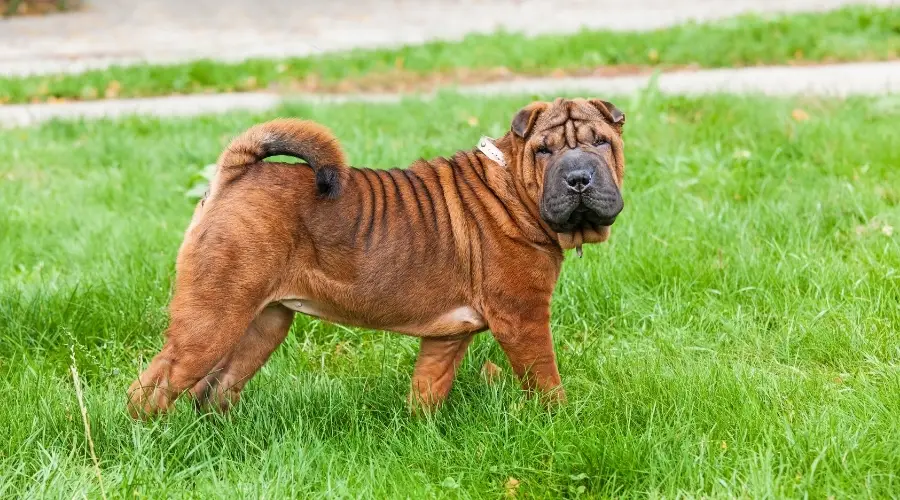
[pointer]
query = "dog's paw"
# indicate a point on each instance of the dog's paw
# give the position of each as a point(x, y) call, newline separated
point(491, 373)
point(210, 394)
point(150, 393)
point(422, 403)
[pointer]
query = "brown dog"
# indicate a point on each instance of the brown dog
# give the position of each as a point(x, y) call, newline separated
point(441, 250)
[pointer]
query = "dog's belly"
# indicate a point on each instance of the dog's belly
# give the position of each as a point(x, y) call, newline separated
point(456, 321)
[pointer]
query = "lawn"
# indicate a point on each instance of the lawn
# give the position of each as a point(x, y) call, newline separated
point(738, 335)
point(852, 33)
point(36, 7)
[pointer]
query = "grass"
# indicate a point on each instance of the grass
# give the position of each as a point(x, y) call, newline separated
point(738, 335)
point(36, 7)
point(849, 34)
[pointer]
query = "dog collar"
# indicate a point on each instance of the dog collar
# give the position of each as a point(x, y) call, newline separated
point(486, 146)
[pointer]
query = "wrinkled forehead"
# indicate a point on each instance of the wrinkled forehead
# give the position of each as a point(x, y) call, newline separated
point(571, 118)
point(562, 111)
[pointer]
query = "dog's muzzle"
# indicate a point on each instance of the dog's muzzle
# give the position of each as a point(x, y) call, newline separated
point(580, 194)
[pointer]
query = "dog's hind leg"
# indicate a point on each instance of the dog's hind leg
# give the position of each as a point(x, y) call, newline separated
point(197, 338)
point(220, 288)
point(221, 388)
point(435, 370)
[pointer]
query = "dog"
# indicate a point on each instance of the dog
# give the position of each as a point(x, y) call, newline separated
point(441, 250)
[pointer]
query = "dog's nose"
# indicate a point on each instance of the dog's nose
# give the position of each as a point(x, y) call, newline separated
point(579, 180)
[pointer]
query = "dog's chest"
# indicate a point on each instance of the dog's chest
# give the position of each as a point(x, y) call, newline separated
point(463, 319)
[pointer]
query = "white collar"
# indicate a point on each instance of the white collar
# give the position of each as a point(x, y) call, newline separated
point(486, 146)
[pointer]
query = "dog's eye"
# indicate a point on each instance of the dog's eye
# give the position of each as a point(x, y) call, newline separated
point(600, 142)
point(543, 150)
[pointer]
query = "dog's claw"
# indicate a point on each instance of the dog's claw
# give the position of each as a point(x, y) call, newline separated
point(578, 251)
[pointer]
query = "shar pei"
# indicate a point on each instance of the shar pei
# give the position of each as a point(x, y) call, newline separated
point(441, 250)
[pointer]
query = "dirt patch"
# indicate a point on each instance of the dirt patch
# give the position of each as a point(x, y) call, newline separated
point(36, 7)
point(401, 81)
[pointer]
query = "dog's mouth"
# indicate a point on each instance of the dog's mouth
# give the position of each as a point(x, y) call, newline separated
point(583, 227)
point(582, 215)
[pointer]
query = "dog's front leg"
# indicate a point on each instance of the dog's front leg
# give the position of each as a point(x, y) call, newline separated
point(529, 348)
point(435, 370)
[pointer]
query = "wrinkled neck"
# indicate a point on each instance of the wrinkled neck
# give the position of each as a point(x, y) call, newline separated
point(513, 149)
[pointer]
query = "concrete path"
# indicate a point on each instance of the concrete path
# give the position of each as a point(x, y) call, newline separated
point(127, 31)
point(838, 80)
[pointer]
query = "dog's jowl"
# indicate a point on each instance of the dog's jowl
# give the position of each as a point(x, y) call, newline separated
point(441, 250)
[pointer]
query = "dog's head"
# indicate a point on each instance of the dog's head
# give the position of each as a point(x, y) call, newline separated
point(571, 163)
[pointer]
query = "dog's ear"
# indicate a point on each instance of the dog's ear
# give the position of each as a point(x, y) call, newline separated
point(525, 118)
point(613, 115)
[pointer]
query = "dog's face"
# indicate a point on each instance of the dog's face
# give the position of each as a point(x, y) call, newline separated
point(572, 165)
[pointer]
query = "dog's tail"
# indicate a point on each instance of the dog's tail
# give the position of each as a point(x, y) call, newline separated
point(303, 139)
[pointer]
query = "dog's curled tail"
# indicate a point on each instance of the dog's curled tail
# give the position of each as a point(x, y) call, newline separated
point(303, 139)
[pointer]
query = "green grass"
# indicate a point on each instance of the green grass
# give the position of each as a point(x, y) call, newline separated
point(10, 8)
point(849, 34)
point(738, 335)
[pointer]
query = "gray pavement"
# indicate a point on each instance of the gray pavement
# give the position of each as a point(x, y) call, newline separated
point(126, 31)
